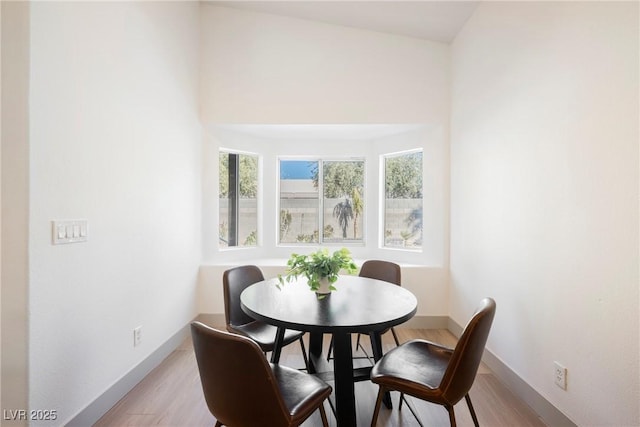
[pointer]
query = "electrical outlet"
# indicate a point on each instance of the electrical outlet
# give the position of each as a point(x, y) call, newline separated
point(137, 336)
point(560, 375)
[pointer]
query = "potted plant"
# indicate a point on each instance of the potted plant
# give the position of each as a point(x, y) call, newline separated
point(320, 269)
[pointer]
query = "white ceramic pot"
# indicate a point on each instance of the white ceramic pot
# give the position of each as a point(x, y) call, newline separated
point(323, 289)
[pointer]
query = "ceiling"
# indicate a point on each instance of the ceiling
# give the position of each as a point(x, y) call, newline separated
point(430, 20)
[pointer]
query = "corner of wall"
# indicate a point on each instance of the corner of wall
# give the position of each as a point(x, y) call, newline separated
point(15, 207)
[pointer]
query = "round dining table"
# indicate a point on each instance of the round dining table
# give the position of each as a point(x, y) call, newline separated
point(359, 305)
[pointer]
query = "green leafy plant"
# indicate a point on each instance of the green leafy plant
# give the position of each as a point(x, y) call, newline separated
point(252, 239)
point(318, 265)
point(285, 222)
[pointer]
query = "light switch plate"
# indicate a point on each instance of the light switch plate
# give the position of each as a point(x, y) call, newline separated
point(69, 231)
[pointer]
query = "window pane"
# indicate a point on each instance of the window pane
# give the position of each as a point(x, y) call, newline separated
point(238, 192)
point(403, 201)
point(343, 212)
point(299, 201)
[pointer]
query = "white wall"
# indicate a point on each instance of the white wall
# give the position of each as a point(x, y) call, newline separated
point(260, 68)
point(115, 139)
point(544, 190)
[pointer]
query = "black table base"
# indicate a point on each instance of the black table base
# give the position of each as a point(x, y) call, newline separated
point(342, 370)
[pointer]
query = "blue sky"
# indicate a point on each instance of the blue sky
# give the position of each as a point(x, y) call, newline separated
point(296, 169)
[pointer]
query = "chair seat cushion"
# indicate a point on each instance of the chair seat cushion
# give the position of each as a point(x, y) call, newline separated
point(302, 393)
point(415, 368)
point(264, 334)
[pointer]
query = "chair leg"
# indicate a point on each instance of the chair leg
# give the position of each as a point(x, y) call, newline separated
point(304, 355)
point(219, 424)
point(473, 412)
point(323, 415)
point(358, 343)
point(395, 337)
point(374, 420)
point(411, 408)
point(331, 406)
point(452, 416)
point(330, 349)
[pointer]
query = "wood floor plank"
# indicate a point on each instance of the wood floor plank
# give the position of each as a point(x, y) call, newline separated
point(171, 395)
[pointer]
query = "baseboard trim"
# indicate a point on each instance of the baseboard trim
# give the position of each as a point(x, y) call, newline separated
point(96, 409)
point(551, 415)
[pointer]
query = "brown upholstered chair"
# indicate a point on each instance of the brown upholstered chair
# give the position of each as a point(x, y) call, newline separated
point(381, 270)
point(435, 373)
point(242, 389)
point(386, 271)
point(236, 280)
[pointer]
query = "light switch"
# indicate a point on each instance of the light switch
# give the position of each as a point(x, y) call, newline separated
point(69, 231)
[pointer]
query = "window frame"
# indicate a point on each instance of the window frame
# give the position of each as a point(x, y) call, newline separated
point(382, 224)
point(321, 201)
point(258, 197)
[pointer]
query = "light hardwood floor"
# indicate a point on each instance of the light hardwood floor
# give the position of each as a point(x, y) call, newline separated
point(171, 395)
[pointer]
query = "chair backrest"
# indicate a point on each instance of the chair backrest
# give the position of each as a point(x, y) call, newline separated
point(381, 270)
point(234, 281)
point(238, 383)
point(466, 357)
